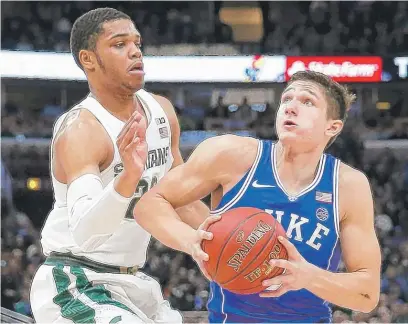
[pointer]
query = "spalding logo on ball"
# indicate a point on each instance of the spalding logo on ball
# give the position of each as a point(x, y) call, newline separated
point(245, 240)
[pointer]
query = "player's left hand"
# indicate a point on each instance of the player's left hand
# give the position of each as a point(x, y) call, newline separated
point(197, 253)
point(298, 272)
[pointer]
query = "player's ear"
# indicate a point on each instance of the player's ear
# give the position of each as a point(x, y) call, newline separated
point(87, 60)
point(334, 127)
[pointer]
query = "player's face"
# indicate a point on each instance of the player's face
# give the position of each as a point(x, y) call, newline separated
point(303, 115)
point(119, 55)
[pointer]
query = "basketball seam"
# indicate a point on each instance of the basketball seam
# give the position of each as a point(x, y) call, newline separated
point(254, 258)
point(228, 238)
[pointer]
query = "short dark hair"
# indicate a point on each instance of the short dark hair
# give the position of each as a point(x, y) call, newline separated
point(339, 98)
point(88, 27)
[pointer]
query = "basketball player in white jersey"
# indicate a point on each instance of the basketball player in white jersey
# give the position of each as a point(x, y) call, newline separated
point(311, 114)
point(106, 152)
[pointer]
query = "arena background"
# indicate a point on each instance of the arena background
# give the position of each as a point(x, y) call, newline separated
point(223, 65)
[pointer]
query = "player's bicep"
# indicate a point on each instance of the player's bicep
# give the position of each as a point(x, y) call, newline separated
point(184, 185)
point(79, 149)
point(192, 180)
point(359, 243)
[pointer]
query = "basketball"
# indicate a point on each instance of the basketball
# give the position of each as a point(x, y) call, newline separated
point(245, 240)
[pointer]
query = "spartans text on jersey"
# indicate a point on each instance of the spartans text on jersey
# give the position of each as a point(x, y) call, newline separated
point(155, 157)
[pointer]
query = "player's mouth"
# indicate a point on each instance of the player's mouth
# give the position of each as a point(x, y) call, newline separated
point(136, 68)
point(289, 124)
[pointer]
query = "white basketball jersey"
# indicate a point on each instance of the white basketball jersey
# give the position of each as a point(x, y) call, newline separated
point(128, 245)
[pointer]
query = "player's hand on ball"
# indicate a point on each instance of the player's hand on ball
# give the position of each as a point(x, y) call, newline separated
point(298, 272)
point(132, 145)
point(197, 253)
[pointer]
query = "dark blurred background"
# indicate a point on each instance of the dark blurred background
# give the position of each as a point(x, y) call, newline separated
point(375, 138)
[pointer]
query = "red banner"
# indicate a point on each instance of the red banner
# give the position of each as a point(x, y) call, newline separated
point(339, 68)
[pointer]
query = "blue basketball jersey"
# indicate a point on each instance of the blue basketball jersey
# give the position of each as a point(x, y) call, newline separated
point(311, 221)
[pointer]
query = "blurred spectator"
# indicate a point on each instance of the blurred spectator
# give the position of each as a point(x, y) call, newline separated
point(52, 110)
point(400, 131)
point(245, 113)
point(6, 189)
point(293, 28)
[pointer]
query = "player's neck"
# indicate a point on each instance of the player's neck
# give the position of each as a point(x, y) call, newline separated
point(121, 105)
point(296, 169)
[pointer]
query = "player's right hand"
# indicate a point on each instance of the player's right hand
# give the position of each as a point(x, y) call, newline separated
point(132, 145)
point(198, 254)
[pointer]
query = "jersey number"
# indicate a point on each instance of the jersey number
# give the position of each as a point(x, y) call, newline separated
point(142, 187)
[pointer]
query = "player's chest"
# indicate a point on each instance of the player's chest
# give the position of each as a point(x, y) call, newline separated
point(309, 228)
point(309, 224)
point(158, 154)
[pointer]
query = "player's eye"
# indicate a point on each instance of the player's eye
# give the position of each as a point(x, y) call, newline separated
point(286, 100)
point(120, 44)
point(308, 102)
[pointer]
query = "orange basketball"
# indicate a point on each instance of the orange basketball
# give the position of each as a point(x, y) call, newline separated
point(245, 240)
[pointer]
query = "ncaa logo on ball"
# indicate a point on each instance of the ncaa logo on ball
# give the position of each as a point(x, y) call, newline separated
point(322, 214)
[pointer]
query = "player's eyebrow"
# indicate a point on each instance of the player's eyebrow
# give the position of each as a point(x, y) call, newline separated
point(287, 89)
point(123, 35)
point(307, 90)
point(312, 93)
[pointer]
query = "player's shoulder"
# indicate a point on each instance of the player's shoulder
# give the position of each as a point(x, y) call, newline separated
point(224, 156)
point(354, 188)
point(167, 107)
point(355, 195)
point(231, 148)
point(232, 141)
point(78, 119)
point(351, 177)
point(78, 125)
point(163, 101)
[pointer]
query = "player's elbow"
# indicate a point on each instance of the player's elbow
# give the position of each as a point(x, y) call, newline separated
point(144, 210)
point(368, 307)
point(371, 301)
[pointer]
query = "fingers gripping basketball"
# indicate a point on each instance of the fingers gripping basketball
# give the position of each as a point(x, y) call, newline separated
point(245, 240)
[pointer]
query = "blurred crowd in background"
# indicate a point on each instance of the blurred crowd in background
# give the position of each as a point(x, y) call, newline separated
point(290, 28)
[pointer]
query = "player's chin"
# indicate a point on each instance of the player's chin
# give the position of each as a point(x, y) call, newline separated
point(288, 136)
point(136, 83)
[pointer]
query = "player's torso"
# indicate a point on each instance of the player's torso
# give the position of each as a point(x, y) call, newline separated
point(311, 223)
point(128, 245)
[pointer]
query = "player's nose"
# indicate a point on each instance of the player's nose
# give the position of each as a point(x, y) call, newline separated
point(135, 52)
point(291, 108)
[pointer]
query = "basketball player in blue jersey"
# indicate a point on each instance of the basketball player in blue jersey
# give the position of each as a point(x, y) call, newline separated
point(324, 205)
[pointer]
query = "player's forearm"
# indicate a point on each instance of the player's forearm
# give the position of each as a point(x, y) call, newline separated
point(159, 218)
point(194, 214)
point(356, 290)
point(125, 183)
point(95, 212)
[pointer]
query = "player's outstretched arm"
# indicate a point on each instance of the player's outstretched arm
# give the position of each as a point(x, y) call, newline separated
point(81, 147)
point(207, 169)
point(193, 214)
point(359, 287)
